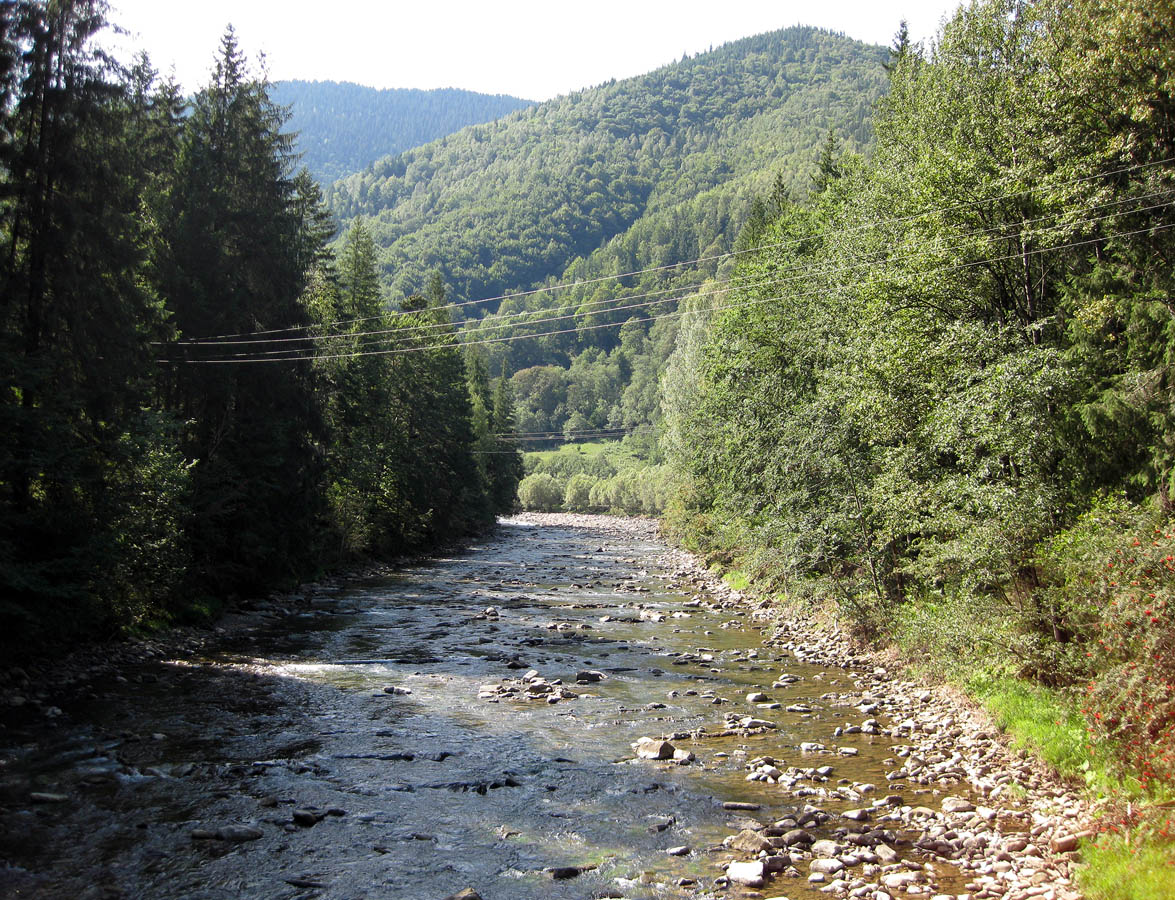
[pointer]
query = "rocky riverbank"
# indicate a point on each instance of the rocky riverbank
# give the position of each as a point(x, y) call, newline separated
point(957, 795)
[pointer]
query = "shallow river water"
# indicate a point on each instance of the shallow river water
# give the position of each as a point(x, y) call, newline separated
point(362, 748)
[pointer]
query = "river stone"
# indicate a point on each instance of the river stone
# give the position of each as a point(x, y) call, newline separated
point(957, 805)
point(825, 848)
point(856, 815)
point(797, 836)
point(750, 842)
point(757, 697)
point(748, 873)
point(589, 676)
point(305, 817)
point(562, 873)
point(740, 806)
point(678, 851)
point(238, 833)
point(46, 797)
point(826, 866)
point(467, 894)
point(886, 855)
point(653, 748)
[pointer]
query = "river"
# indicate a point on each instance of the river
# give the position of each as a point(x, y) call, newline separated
point(467, 723)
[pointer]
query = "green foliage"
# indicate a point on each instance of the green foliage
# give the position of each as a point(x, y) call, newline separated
point(1039, 720)
point(343, 128)
point(578, 495)
point(540, 492)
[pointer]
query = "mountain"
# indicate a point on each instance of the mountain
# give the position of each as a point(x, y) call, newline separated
point(344, 127)
point(674, 156)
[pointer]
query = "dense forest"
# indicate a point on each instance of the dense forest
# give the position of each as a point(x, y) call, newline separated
point(637, 175)
point(342, 128)
point(149, 473)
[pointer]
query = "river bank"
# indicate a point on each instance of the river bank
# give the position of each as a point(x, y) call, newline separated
point(476, 723)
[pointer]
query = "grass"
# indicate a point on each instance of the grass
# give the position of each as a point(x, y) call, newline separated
point(1044, 723)
point(1121, 868)
point(737, 580)
point(587, 448)
point(1138, 864)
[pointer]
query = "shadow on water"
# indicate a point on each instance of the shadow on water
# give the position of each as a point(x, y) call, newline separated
point(361, 744)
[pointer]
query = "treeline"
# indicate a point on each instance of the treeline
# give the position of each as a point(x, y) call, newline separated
point(944, 395)
point(184, 420)
point(343, 128)
point(626, 477)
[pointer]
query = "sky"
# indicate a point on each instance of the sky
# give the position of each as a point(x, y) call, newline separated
point(534, 49)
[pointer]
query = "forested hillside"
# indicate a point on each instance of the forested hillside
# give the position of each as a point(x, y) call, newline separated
point(154, 462)
point(648, 172)
point(342, 128)
point(502, 206)
point(941, 395)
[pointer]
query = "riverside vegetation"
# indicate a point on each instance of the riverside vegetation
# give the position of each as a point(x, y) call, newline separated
point(942, 398)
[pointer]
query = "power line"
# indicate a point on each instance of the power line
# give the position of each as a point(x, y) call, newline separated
point(522, 316)
point(272, 357)
point(730, 254)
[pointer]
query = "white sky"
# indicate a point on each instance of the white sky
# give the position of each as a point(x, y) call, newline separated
point(535, 49)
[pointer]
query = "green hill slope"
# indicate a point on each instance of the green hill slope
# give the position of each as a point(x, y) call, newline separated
point(344, 127)
point(508, 204)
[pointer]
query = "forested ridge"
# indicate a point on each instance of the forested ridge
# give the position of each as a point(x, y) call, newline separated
point(342, 128)
point(138, 485)
point(508, 204)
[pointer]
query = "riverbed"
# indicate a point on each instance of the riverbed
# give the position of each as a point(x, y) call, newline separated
point(477, 722)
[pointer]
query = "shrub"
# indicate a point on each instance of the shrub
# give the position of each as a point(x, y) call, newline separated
point(540, 492)
point(577, 497)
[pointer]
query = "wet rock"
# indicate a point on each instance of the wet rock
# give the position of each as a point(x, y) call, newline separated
point(589, 676)
point(47, 797)
point(662, 824)
point(678, 851)
point(306, 817)
point(562, 873)
point(467, 894)
point(825, 848)
point(749, 841)
point(826, 866)
point(856, 815)
point(653, 748)
point(397, 691)
point(746, 873)
point(957, 805)
point(740, 806)
point(237, 834)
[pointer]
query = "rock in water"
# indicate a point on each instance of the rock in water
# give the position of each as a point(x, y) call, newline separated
point(652, 748)
point(467, 894)
point(238, 833)
point(748, 873)
point(750, 842)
